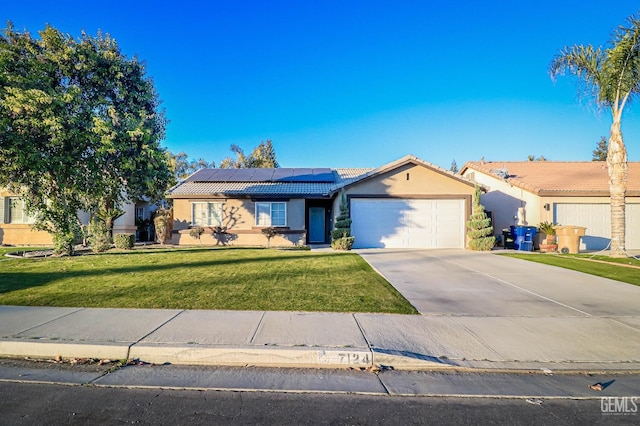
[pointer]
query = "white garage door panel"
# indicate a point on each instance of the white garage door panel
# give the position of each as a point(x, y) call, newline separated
point(597, 219)
point(398, 223)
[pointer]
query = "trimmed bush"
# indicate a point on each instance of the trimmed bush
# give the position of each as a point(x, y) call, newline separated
point(269, 232)
point(341, 238)
point(480, 231)
point(344, 243)
point(163, 222)
point(99, 235)
point(124, 241)
point(196, 233)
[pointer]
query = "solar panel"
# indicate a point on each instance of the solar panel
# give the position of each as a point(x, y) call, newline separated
point(323, 175)
point(262, 175)
point(282, 175)
point(200, 175)
point(307, 175)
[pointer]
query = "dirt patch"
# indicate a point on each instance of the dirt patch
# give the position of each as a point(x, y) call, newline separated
point(85, 365)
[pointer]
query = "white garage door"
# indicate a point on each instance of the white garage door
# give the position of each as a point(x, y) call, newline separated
point(597, 219)
point(407, 223)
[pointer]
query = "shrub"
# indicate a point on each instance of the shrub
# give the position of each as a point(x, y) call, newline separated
point(124, 241)
point(344, 243)
point(196, 233)
point(548, 228)
point(63, 243)
point(341, 238)
point(99, 235)
point(480, 231)
point(269, 232)
point(163, 224)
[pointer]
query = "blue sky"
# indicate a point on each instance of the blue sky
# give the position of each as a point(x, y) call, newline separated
point(359, 83)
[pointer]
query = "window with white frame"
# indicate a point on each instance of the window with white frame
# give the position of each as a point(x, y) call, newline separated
point(14, 211)
point(271, 214)
point(206, 214)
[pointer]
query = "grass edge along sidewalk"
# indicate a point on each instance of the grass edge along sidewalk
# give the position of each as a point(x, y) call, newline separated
point(202, 278)
point(600, 266)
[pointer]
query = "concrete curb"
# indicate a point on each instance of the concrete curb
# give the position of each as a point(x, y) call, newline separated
point(51, 349)
point(272, 356)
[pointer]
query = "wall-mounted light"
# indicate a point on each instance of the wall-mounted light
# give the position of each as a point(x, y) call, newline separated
point(547, 207)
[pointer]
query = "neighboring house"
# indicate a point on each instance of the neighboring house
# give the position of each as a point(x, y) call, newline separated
point(406, 203)
point(16, 225)
point(566, 193)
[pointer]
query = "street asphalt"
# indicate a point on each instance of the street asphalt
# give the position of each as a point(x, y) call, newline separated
point(479, 312)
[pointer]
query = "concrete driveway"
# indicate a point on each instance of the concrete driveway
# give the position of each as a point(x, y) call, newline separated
point(466, 283)
point(485, 310)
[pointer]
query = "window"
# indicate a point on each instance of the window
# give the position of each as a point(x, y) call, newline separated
point(139, 212)
point(206, 214)
point(271, 214)
point(14, 211)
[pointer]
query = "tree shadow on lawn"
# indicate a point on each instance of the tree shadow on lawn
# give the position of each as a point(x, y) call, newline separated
point(13, 281)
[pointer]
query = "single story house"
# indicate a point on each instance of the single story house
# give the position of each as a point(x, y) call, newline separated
point(406, 203)
point(16, 225)
point(565, 193)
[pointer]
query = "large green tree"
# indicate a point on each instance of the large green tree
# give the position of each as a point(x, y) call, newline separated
point(80, 128)
point(612, 75)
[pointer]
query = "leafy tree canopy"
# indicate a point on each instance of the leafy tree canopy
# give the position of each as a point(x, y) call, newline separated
point(182, 167)
point(262, 156)
point(79, 127)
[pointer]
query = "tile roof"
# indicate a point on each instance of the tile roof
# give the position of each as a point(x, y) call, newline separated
point(292, 182)
point(558, 177)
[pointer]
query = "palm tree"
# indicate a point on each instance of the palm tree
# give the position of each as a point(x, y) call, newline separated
point(612, 76)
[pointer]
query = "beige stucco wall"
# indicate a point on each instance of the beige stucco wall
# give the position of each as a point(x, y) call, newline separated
point(503, 200)
point(422, 182)
point(18, 234)
point(24, 235)
point(239, 219)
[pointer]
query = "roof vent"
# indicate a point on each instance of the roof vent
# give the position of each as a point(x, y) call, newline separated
point(503, 173)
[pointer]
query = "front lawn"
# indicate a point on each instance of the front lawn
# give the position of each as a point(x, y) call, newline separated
point(613, 269)
point(222, 278)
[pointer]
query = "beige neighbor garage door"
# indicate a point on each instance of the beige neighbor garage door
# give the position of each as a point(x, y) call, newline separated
point(597, 219)
point(407, 223)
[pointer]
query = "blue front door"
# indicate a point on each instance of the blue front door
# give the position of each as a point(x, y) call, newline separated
point(316, 224)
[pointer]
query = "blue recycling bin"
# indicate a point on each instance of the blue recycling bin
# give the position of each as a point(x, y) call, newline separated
point(523, 237)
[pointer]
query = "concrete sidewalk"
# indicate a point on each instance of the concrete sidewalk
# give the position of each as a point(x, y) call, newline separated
point(301, 339)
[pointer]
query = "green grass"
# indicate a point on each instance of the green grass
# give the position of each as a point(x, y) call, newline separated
point(229, 278)
point(583, 264)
